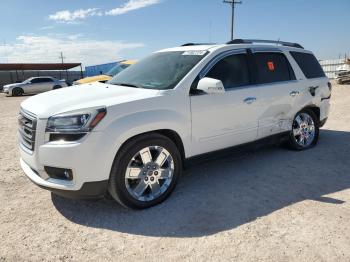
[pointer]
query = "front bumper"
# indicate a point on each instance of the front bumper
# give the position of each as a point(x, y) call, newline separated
point(90, 160)
point(89, 190)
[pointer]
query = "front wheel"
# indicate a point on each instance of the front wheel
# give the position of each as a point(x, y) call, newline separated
point(17, 91)
point(145, 171)
point(305, 130)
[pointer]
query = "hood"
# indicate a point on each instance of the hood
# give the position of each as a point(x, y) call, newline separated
point(13, 85)
point(83, 96)
point(92, 79)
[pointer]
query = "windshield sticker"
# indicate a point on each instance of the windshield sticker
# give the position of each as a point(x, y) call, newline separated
point(199, 53)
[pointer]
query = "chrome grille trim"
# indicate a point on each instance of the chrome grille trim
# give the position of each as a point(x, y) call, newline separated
point(27, 129)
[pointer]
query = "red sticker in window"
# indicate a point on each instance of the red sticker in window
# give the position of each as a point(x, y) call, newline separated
point(271, 66)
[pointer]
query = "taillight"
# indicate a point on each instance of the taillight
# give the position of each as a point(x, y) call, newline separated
point(330, 86)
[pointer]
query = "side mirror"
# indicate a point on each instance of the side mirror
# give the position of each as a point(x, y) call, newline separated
point(211, 86)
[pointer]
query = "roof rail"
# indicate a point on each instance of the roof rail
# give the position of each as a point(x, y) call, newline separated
point(251, 41)
point(191, 44)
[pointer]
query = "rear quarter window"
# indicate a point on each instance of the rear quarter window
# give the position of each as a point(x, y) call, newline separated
point(272, 67)
point(308, 64)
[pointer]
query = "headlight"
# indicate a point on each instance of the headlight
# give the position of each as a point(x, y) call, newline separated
point(80, 122)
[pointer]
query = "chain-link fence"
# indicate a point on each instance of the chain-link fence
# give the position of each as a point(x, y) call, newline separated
point(330, 67)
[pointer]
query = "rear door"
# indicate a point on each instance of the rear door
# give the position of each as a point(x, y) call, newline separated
point(279, 91)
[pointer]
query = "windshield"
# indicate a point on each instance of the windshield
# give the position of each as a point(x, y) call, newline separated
point(117, 69)
point(161, 71)
point(28, 80)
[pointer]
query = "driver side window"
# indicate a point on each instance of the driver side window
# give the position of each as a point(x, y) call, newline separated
point(232, 71)
point(34, 81)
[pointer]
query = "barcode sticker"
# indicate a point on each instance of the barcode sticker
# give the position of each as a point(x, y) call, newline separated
point(200, 53)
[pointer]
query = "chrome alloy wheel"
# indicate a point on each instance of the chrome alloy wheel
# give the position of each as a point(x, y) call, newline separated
point(304, 130)
point(149, 173)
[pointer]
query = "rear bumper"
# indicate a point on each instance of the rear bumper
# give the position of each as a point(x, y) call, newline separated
point(89, 190)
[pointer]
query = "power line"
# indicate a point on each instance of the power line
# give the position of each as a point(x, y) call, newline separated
point(232, 3)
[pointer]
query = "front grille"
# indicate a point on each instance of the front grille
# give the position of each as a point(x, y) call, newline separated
point(27, 128)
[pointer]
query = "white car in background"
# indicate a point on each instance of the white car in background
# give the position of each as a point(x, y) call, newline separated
point(34, 85)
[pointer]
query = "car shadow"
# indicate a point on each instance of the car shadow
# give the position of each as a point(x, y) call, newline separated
point(228, 192)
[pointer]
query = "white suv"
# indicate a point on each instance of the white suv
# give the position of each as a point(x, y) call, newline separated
point(131, 136)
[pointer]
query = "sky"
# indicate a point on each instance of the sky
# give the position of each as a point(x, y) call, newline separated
point(95, 31)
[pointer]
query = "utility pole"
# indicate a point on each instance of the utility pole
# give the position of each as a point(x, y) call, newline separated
point(6, 58)
point(62, 60)
point(232, 3)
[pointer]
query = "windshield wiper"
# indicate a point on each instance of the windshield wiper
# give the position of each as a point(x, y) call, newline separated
point(127, 84)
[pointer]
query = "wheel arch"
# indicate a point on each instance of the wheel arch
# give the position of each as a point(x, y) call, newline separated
point(315, 109)
point(171, 134)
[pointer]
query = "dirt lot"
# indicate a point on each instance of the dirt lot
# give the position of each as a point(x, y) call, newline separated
point(271, 205)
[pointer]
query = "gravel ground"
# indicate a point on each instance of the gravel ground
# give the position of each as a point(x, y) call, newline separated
point(268, 205)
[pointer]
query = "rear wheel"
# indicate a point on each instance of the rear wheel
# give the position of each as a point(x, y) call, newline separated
point(17, 91)
point(57, 87)
point(145, 171)
point(305, 130)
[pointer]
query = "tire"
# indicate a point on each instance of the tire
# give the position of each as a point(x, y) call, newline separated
point(57, 87)
point(17, 91)
point(305, 131)
point(157, 172)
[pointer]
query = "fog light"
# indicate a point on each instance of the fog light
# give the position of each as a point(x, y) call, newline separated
point(59, 173)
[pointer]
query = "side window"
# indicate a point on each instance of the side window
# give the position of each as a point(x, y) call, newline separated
point(35, 80)
point(45, 80)
point(308, 64)
point(272, 67)
point(232, 71)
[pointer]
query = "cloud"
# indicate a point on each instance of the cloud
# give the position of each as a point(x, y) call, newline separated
point(71, 17)
point(49, 27)
point(130, 6)
point(40, 49)
point(66, 16)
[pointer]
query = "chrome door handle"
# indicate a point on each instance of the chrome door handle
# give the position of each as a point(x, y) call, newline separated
point(294, 93)
point(250, 100)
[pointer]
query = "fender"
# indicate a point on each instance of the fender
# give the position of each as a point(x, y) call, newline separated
point(128, 126)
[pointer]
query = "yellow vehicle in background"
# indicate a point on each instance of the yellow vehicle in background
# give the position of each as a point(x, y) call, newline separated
point(104, 78)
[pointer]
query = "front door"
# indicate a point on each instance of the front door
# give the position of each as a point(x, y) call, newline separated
point(230, 118)
point(33, 86)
